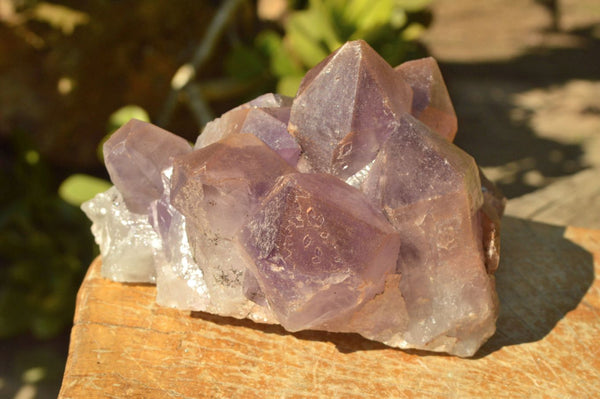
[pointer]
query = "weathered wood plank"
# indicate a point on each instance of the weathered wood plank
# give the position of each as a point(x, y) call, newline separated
point(124, 345)
point(574, 201)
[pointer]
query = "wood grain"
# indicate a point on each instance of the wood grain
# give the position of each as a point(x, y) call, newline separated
point(124, 345)
point(572, 201)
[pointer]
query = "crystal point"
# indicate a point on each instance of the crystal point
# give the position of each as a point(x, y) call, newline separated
point(265, 118)
point(345, 108)
point(432, 196)
point(345, 209)
point(135, 156)
point(431, 101)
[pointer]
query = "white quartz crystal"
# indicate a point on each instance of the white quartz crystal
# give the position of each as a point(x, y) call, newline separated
point(127, 241)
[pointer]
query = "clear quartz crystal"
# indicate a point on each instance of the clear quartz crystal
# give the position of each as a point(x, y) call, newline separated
point(345, 209)
point(126, 239)
point(179, 280)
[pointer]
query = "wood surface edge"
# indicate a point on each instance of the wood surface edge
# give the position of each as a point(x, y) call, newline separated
point(589, 239)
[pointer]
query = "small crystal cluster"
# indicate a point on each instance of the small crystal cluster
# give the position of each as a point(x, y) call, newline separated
point(345, 209)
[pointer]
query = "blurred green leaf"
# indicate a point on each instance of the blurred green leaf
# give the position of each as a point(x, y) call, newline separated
point(78, 188)
point(412, 5)
point(311, 33)
point(124, 114)
point(281, 64)
point(244, 62)
point(288, 85)
point(413, 31)
point(367, 17)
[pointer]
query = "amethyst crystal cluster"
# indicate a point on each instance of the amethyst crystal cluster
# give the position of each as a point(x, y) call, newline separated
point(345, 209)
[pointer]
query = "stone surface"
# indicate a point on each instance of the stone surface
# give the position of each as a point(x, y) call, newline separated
point(135, 155)
point(338, 210)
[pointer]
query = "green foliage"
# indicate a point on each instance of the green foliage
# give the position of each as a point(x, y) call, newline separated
point(42, 247)
point(124, 114)
point(391, 27)
point(78, 188)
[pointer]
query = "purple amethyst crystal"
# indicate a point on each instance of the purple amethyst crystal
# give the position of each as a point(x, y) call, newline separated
point(318, 249)
point(345, 108)
point(431, 101)
point(135, 155)
point(345, 209)
point(266, 117)
point(431, 194)
point(216, 189)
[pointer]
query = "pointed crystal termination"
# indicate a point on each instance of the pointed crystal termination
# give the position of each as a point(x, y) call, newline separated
point(268, 124)
point(431, 194)
point(431, 101)
point(135, 155)
point(345, 108)
point(216, 188)
point(319, 249)
point(269, 100)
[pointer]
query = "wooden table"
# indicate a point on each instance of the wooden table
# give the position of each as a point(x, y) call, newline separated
point(547, 344)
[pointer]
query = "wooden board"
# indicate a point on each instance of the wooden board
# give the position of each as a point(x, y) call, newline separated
point(547, 344)
point(572, 201)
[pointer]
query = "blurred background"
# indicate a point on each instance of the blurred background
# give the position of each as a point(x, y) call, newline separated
point(524, 76)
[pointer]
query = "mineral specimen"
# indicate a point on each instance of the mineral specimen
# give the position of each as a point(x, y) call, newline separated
point(126, 239)
point(345, 209)
point(135, 155)
point(431, 102)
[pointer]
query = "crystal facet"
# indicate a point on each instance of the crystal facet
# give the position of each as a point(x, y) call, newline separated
point(216, 188)
point(345, 209)
point(345, 109)
point(135, 155)
point(267, 123)
point(318, 249)
point(431, 101)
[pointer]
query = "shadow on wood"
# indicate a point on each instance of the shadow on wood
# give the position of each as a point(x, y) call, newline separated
point(124, 345)
point(542, 276)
